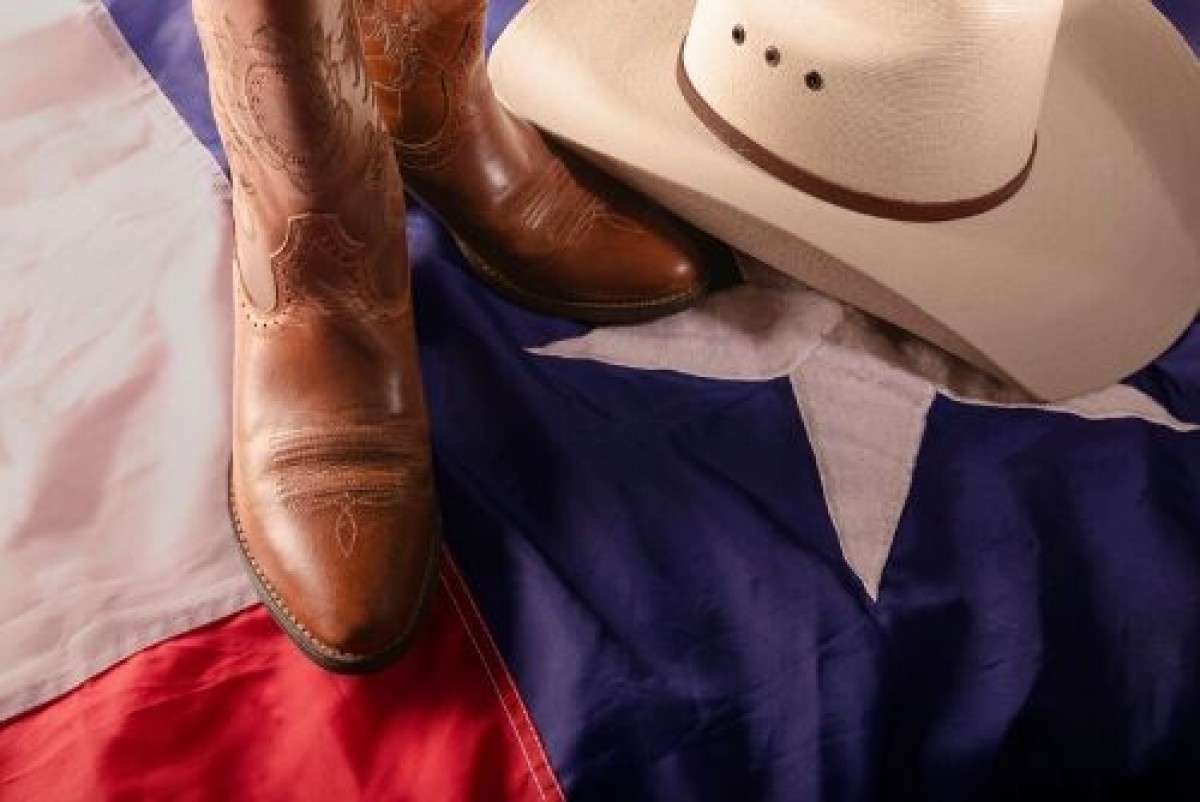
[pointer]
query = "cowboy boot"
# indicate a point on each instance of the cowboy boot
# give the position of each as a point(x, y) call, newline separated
point(331, 489)
point(539, 226)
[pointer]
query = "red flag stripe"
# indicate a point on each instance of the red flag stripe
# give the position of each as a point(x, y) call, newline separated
point(233, 711)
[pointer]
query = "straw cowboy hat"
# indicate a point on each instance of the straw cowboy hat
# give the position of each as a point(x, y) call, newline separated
point(1017, 181)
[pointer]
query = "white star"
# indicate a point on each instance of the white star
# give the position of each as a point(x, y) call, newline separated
point(863, 389)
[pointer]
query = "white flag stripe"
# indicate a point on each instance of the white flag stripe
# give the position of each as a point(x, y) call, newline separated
point(114, 366)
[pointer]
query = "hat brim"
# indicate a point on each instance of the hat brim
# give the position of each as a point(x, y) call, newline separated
point(1085, 276)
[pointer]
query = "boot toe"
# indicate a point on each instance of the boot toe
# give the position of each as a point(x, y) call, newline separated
point(657, 270)
point(650, 265)
point(367, 628)
point(361, 613)
point(351, 596)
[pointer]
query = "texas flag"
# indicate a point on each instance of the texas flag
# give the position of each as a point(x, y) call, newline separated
point(768, 549)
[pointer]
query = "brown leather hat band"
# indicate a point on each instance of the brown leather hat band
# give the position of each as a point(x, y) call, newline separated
point(828, 191)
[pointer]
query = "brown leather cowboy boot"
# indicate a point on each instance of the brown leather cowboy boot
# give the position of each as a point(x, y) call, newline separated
point(540, 227)
point(331, 489)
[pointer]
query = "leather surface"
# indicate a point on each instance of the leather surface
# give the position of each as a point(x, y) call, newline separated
point(331, 484)
point(537, 224)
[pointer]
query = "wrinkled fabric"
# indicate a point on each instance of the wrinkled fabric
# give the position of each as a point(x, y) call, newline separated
point(233, 712)
point(673, 599)
point(655, 556)
point(114, 359)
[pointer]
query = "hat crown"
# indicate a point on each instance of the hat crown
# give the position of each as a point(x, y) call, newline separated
point(917, 101)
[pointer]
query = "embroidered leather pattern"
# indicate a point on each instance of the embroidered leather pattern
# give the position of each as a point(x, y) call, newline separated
point(348, 466)
point(323, 270)
point(331, 468)
point(297, 109)
point(408, 39)
point(310, 138)
point(277, 601)
point(558, 208)
point(390, 37)
point(437, 150)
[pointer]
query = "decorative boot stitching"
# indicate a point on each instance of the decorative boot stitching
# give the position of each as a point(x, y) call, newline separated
point(275, 600)
point(323, 270)
point(294, 103)
point(317, 73)
point(559, 210)
point(390, 40)
point(434, 152)
point(300, 104)
point(406, 44)
point(350, 466)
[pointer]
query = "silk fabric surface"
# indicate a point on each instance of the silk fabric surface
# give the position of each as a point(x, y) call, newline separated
point(658, 597)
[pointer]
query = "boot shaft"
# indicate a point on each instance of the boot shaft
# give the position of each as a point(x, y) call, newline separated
point(296, 112)
point(425, 59)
